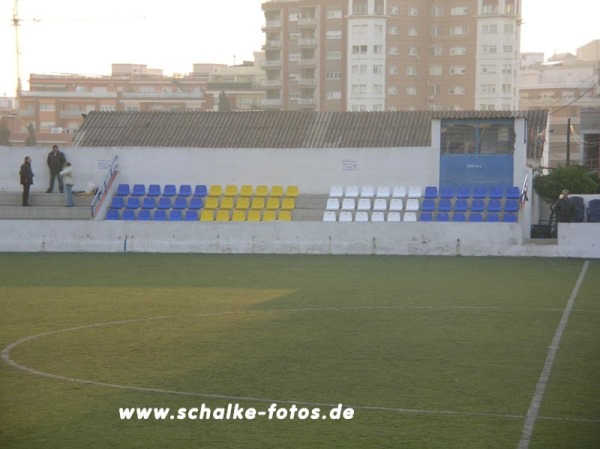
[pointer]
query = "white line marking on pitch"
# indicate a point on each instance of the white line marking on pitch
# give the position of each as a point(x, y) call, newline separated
point(5, 355)
point(542, 382)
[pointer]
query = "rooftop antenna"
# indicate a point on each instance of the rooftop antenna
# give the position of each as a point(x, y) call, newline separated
point(16, 23)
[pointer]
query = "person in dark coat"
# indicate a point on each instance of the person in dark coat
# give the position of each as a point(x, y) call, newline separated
point(56, 161)
point(564, 208)
point(26, 179)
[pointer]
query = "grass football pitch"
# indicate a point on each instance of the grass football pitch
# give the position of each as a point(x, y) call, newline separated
point(317, 351)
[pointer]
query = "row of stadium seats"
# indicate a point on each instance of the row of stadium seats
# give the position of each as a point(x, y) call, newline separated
point(197, 203)
point(427, 205)
point(194, 215)
point(202, 190)
point(395, 216)
point(430, 192)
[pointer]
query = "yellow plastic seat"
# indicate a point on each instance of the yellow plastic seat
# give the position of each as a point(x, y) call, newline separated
point(223, 215)
point(285, 215)
point(272, 204)
point(242, 203)
point(215, 190)
point(231, 190)
point(227, 203)
point(292, 191)
point(211, 203)
point(288, 204)
point(261, 191)
point(254, 215)
point(207, 215)
point(246, 191)
point(258, 203)
point(276, 191)
point(269, 215)
point(238, 215)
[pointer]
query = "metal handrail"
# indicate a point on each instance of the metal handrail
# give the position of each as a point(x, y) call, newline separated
point(105, 186)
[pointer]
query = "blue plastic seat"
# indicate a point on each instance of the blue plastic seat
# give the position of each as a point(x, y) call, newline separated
point(144, 215)
point(112, 214)
point(494, 205)
point(480, 192)
point(492, 217)
point(477, 205)
point(459, 216)
point(185, 190)
point(510, 218)
point(191, 215)
point(428, 205)
point(201, 190)
point(133, 202)
point(196, 203)
point(118, 202)
point(175, 215)
point(160, 215)
point(464, 192)
point(513, 193)
point(579, 208)
point(461, 205)
point(594, 211)
point(149, 202)
point(128, 214)
point(496, 192)
point(431, 192)
point(444, 205)
point(138, 190)
point(511, 206)
point(443, 216)
point(170, 190)
point(154, 190)
point(164, 203)
point(180, 203)
point(447, 192)
point(426, 216)
point(475, 217)
point(123, 190)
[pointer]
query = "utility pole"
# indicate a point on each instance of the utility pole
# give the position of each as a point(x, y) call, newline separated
point(568, 142)
point(16, 23)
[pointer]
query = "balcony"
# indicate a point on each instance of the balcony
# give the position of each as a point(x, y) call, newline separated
point(271, 64)
point(307, 102)
point(307, 82)
point(308, 62)
point(164, 95)
point(270, 103)
point(59, 94)
point(307, 43)
point(270, 84)
point(307, 22)
point(272, 25)
point(272, 45)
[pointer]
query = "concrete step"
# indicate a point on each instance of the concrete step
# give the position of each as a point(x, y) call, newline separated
point(44, 206)
point(43, 199)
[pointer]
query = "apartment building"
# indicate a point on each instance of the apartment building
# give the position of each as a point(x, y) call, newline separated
point(374, 55)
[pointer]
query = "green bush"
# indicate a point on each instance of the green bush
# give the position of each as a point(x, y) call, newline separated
point(575, 178)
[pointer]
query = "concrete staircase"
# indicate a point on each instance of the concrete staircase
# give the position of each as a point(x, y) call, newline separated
point(309, 207)
point(44, 206)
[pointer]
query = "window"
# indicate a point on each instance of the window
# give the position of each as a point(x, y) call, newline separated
point(434, 89)
point(459, 30)
point(334, 14)
point(489, 9)
point(413, 11)
point(411, 90)
point(413, 31)
point(488, 89)
point(459, 11)
point(458, 51)
point(107, 108)
point(492, 136)
point(488, 69)
point(360, 7)
point(294, 57)
point(393, 70)
point(47, 107)
point(378, 69)
point(359, 88)
point(435, 30)
point(359, 69)
point(489, 29)
point(457, 70)
point(359, 49)
point(437, 11)
point(333, 75)
point(378, 29)
point(333, 34)
point(412, 51)
point(507, 68)
point(394, 31)
point(359, 29)
point(488, 49)
point(507, 48)
point(377, 89)
point(377, 107)
point(377, 49)
point(393, 50)
point(508, 28)
point(333, 55)
point(411, 71)
point(435, 70)
point(507, 89)
point(294, 96)
point(334, 95)
point(436, 50)
point(395, 10)
point(392, 90)
point(456, 90)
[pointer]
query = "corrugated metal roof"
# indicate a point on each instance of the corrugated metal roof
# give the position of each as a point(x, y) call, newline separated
point(274, 129)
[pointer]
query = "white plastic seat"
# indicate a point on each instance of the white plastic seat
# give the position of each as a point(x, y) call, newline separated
point(332, 204)
point(336, 192)
point(410, 216)
point(414, 192)
point(396, 204)
point(351, 191)
point(412, 205)
point(364, 204)
point(399, 192)
point(348, 204)
point(367, 191)
point(393, 216)
point(361, 216)
point(345, 216)
point(383, 192)
point(377, 216)
point(329, 215)
point(380, 204)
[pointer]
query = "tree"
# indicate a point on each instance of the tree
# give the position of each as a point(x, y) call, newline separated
point(224, 105)
point(31, 140)
point(574, 178)
point(4, 135)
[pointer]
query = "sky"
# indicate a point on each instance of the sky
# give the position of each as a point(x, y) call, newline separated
point(85, 37)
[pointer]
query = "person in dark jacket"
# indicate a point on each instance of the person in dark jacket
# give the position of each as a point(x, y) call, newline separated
point(564, 208)
point(56, 161)
point(26, 179)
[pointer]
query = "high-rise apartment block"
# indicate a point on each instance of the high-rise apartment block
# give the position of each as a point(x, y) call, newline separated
point(375, 55)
